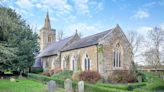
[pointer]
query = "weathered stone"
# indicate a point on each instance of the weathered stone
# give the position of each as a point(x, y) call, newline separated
point(91, 51)
point(68, 85)
point(12, 80)
point(139, 78)
point(1, 77)
point(81, 86)
point(76, 75)
point(51, 86)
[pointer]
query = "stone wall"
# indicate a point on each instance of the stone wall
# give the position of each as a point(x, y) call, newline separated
point(44, 35)
point(51, 62)
point(106, 55)
point(80, 53)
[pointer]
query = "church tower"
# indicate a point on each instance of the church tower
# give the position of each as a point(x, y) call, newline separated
point(47, 35)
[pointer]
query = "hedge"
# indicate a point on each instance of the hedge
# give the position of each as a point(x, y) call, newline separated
point(36, 70)
point(88, 87)
point(129, 87)
point(45, 79)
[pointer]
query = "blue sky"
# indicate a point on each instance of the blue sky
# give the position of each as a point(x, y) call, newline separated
point(91, 16)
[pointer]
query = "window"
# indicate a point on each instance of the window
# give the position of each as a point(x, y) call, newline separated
point(64, 64)
point(87, 63)
point(49, 38)
point(117, 56)
point(74, 63)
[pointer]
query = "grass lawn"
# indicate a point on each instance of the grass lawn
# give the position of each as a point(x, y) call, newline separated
point(24, 85)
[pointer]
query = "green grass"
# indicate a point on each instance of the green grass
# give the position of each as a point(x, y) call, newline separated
point(63, 75)
point(153, 83)
point(24, 85)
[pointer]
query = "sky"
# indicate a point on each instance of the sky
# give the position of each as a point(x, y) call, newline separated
point(91, 16)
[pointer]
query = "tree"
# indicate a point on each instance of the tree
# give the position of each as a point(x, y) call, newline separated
point(60, 35)
point(154, 54)
point(18, 39)
point(135, 39)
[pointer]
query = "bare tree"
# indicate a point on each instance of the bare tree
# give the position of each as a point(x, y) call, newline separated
point(154, 54)
point(135, 40)
point(60, 35)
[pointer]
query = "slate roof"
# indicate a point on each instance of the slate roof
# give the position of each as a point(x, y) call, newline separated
point(87, 41)
point(38, 63)
point(54, 47)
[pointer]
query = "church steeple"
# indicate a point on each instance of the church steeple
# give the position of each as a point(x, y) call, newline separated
point(47, 35)
point(47, 22)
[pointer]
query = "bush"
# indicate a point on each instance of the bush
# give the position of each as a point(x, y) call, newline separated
point(54, 71)
point(76, 76)
point(63, 75)
point(45, 78)
point(123, 86)
point(90, 76)
point(36, 70)
point(122, 76)
point(47, 73)
point(88, 87)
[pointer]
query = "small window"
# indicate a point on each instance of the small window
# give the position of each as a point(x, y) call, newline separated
point(117, 56)
point(74, 63)
point(49, 39)
point(87, 63)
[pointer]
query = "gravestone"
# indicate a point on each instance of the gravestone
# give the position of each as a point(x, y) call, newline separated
point(12, 80)
point(139, 78)
point(81, 86)
point(51, 86)
point(68, 85)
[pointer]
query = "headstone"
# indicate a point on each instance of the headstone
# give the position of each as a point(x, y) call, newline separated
point(12, 80)
point(81, 86)
point(68, 85)
point(139, 78)
point(51, 86)
point(1, 77)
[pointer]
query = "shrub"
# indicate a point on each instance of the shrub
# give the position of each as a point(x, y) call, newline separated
point(46, 73)
point(76, 76)
point(129, 87)
point(88, 87)
point(122, 76)
point(90, 76)
point(45, 78)
point(54, 71)
point(36, 70)
point(63, 75)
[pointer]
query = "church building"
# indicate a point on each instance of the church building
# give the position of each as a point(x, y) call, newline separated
point(103, 52)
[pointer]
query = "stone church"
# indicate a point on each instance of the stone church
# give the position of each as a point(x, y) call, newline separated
point(103, 52)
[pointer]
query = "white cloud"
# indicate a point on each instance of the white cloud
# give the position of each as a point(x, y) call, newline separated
point(82, 6)
point(143, 30)
point(86, 29)
point(25, 4)
point(60, 7)
point(100, 6)
point(162, 26)
point(141, 14)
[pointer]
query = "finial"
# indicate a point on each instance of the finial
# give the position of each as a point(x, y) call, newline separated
point(117, 25)
point(76, 31)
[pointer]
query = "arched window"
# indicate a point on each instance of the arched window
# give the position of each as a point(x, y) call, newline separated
point(63, 64)
point(49, 38)
point(73, 63)
point(117, 56)
point(87, 63)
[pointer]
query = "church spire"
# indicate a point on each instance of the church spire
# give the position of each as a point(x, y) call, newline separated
point(47, 22)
